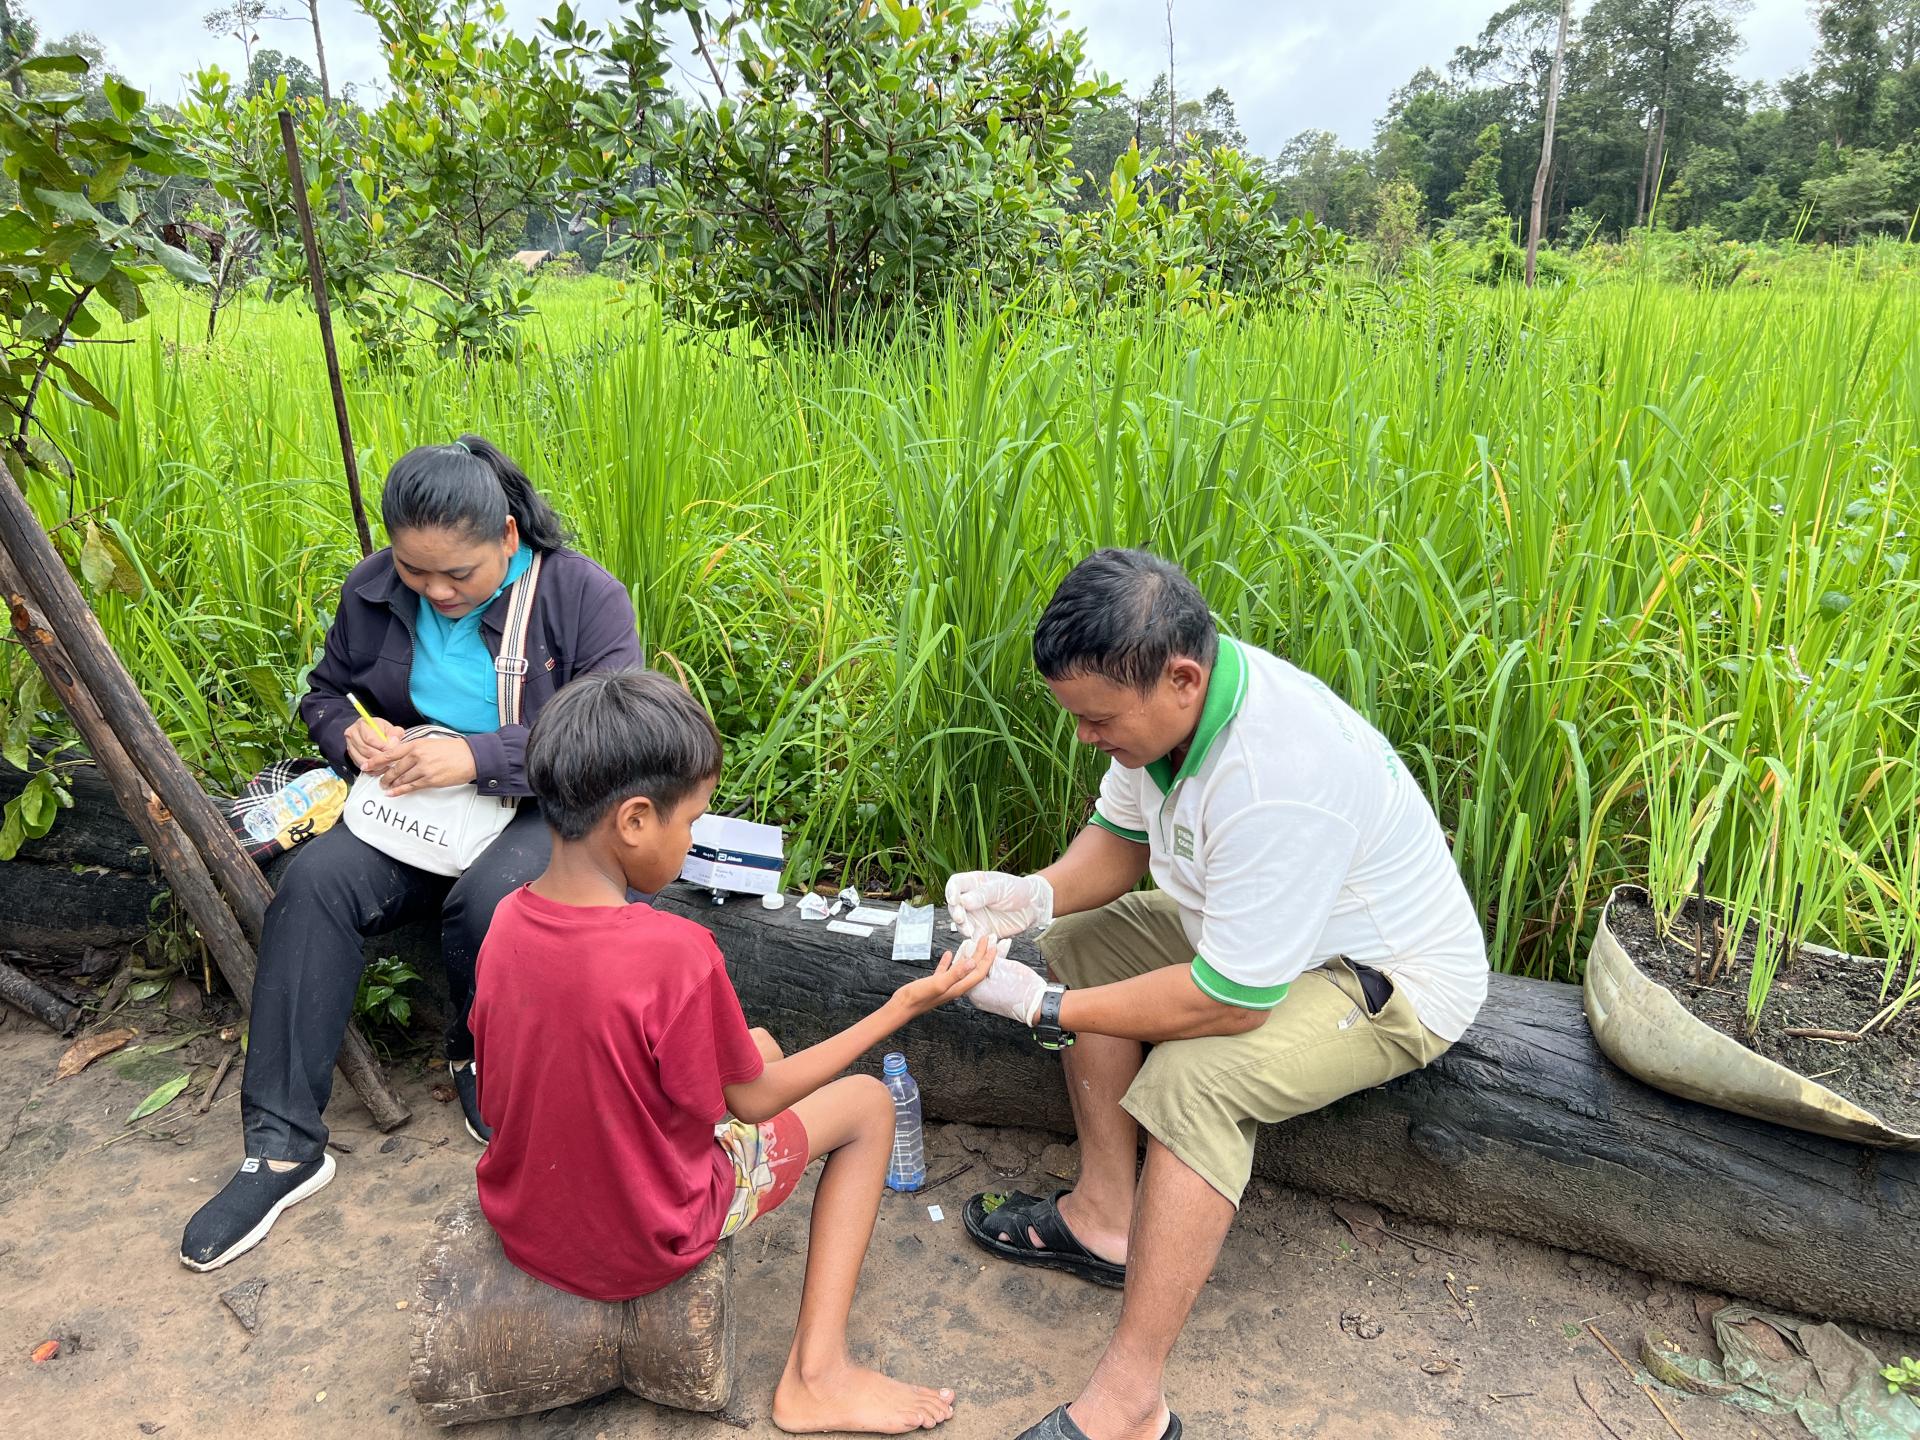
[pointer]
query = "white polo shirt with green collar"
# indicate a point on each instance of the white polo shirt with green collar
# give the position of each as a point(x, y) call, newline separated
point(1293, 834)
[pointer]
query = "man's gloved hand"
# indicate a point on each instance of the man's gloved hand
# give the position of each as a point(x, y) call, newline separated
point(991, 902)
point(1010, 989)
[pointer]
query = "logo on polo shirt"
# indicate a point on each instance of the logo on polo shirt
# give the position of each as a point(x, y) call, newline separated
point(1183, 842)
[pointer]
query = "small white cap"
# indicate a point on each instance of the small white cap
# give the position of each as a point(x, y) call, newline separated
point(775, 901)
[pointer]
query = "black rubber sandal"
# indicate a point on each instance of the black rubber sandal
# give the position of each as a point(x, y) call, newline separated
point(1059, 1426)
point(1059, 1249)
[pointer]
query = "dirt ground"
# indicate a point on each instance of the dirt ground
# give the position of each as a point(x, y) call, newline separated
point(1478, 1335)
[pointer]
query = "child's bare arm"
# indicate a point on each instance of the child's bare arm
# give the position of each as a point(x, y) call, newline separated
point(794, 1078)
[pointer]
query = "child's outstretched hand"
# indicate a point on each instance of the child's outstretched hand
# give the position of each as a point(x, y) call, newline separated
point(954, 976)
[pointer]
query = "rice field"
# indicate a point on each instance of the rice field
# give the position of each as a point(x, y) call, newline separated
point(1623, 571)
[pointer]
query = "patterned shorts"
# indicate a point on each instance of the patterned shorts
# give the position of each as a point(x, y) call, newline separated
point(768, 1160)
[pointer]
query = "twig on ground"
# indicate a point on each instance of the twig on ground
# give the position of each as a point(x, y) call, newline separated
point(1581, 1391)
point(1511, 1394)
point(219, 1074)
point(1839, 1037)
point(1458, 1299)
point(1427, 1245)
point(116, 990)
point(953, 1174)
point(1646, 1390)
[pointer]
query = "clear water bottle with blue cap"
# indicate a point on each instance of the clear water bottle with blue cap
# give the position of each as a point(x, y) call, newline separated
point(907, 1166)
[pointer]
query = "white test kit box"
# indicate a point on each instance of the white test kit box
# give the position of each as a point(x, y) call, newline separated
point(738, 855)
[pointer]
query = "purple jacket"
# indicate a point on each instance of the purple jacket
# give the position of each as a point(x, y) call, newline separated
point(582, 621)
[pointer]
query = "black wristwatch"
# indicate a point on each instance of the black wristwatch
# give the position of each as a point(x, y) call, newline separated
point(1047, 1033)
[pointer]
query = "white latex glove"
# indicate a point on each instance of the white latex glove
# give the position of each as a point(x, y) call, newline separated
point(994, 903)
point(1010, 989)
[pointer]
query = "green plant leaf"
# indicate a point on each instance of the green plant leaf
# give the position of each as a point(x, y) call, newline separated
point(13, 831)
point(20, 232)
point(125, 100)
point(146, 989)
point(96, 560)
point(54, 65)
point(179, 264)
point(161, 1097)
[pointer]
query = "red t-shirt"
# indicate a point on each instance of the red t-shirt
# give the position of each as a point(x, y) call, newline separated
point(604, 1035)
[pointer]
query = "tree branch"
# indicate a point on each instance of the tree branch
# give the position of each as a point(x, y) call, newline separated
point(51, 348)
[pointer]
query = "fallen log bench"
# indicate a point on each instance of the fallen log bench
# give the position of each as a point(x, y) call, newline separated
point(1524, 1127)
point(490, 1342)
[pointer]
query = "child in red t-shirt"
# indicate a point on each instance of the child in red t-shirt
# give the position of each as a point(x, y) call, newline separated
point(636, 1119)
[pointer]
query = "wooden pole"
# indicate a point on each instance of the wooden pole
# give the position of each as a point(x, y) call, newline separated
point(42, 578)
point(205, 895)
point(297, 179)
point(1546, 139)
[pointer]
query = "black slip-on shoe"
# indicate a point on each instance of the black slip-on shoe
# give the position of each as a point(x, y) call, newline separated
point(239, 1217)
point(466, 1081)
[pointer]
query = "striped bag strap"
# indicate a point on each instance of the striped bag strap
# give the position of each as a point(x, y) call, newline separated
point(510, 666)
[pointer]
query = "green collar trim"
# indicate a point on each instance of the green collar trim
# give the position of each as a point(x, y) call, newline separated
point(1226, 693)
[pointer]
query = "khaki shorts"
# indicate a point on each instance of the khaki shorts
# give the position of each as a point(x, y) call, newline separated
point(1205, 1098)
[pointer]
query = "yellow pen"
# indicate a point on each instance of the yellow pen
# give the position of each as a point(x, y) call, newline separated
point(378, 729)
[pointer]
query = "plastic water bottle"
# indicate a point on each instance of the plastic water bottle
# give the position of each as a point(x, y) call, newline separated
point(271, 814)
point(907, 1166)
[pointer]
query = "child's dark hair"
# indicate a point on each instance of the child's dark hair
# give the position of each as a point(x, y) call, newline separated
point(468, 486)
point(614, 735)
point(1123, 614)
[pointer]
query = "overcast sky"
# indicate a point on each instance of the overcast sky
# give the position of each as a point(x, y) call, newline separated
point(1290, 65)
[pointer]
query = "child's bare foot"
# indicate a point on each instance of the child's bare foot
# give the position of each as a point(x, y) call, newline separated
point(850, 1398)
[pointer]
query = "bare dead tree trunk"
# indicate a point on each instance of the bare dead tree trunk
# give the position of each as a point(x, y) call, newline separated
point(1546, 139)
point(1659, 160)
point(1173, 107)
point(320, 52)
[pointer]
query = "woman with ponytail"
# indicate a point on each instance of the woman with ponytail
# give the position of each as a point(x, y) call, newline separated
point(415, 638)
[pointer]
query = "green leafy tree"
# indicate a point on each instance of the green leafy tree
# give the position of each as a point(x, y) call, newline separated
point(271, 65)
point(76, 238)
point(1103, 131)
point(1851, 66)
point(857, 160)
point(1859, 198)
point(1320, 176)
point(1478, 212)
point(1397, 226)
point(438, 179)
point(1211, 236)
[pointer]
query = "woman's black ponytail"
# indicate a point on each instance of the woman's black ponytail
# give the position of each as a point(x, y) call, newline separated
point(469, 486)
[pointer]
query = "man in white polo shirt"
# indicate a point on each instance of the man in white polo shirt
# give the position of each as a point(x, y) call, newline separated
point(1309, 936)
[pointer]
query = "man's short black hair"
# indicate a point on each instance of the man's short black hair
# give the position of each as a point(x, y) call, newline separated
point(1122, 615)
point(614, 735)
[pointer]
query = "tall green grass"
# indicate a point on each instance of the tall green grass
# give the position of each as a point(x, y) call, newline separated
point(1622, 571)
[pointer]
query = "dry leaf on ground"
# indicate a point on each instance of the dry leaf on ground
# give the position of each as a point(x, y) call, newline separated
point(89, 1048)
point(1367, 1224)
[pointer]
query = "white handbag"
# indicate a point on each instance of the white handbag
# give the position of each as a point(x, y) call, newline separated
point(445, 829)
